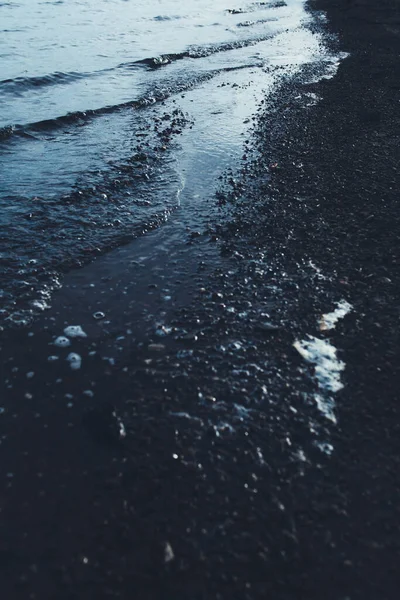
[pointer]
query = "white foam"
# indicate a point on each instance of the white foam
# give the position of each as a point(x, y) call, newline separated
point(323, 356)
point(328, 368)
point(326, 406)
point(40, 304)
point(329, 320)
point(317, 270)
point(74, 331)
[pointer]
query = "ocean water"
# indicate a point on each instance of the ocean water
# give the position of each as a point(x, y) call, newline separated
point(107, 107)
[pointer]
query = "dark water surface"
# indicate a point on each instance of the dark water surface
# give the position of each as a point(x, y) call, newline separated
point(94, 97)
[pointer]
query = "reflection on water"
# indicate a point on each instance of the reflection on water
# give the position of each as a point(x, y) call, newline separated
point(110, 108)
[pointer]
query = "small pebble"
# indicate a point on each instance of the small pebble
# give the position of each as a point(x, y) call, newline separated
point(74, 331)
point(75, 361)
point(156, 347)
point(168, 553)
point(163, 330)
point(62, 342)
point(98, 315)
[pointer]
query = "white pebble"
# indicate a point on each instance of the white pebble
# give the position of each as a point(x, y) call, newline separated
point(62, 342)
point(52, 358)
point(30, 374)
point(99, 315)
point(74, 331)
point(75, 361)
point(168, 553)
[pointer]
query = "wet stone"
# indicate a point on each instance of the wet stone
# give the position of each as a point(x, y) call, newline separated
point(156, 347)
point(74, 331)
point(267, 327)
point(75, 361)
point(217, 296)
point(188, 337)
point(168, 553)
point(99, 315)
point(62, 342)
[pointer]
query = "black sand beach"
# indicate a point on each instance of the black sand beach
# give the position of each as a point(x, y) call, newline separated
point(194, 462)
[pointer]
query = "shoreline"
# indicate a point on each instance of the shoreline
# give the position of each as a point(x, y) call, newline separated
point(183, 476)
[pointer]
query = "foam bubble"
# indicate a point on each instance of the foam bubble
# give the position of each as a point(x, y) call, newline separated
point(329, 320)
point(323, 356)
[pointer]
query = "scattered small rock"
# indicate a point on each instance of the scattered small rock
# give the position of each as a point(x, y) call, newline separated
point(267, 327)
point(188, 337)
point(62, 342)
point(75, 331)
point(99, 315)
point(156, 347)
point(163, 330)
point(168, 553)
point(75, 361)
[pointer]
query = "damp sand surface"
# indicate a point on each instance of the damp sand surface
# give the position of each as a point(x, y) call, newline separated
point(189, 454)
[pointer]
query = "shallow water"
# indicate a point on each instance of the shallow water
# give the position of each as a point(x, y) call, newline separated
point(106, 110)
point(62, 57)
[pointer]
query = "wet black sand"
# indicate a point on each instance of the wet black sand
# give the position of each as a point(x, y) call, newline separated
point(112, 496)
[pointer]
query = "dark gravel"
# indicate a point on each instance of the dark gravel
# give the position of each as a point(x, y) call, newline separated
point(194, 466)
